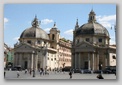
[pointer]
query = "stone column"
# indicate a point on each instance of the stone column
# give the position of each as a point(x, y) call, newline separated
point(36, 62)
point(75, 60)
point(107, 58)
point(15, 62)
point(28, 60)
point(72, 61)
point(17, 59)
point(23, 59)
point(43, 61)
point(89, 67)
point(32, 61)
point(98, 61)
point(20, 61)
point(93, 61)
point(79, 61)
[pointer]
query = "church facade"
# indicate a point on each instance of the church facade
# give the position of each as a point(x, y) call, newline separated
point(91, 45)
point(37, 49)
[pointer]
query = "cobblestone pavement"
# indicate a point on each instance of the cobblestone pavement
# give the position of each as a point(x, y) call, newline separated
point(54, 75)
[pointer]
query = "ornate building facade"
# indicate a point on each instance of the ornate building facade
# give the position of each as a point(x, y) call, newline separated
point(91, 49)
point(37, 49)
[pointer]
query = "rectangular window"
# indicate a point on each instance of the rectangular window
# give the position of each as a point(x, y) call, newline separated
point(100, 39)
point(51, 59)
point(55, 58)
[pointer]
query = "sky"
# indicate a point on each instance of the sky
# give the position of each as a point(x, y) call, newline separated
point(18, 17)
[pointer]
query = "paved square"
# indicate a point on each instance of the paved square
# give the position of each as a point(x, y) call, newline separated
point(53, 75)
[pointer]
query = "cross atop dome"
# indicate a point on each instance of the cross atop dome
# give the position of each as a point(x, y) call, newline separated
point(76, 26)
point(35, 22)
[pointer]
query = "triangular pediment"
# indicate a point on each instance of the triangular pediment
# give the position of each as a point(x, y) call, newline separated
point(84, 45)
point(22, 47)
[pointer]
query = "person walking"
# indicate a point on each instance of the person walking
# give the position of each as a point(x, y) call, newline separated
point(4, 74)
point(26, 71)
point(30, 71)
point(18, 74)
point(99, 76)
point(42, 71)
point(70, 74)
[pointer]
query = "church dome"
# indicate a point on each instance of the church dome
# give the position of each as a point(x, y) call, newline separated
point(35, 31)
point(92, 27)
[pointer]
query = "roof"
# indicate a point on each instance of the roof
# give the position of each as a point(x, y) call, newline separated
point(92, 27)
point(35, 31)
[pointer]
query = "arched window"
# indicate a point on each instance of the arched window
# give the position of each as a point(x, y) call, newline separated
point(29, 41)
point(113, 57)
point(91, 18)
point(53, 36)
point(77, 41)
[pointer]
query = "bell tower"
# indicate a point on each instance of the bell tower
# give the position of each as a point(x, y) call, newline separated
point(92, 16)
point(54, 36)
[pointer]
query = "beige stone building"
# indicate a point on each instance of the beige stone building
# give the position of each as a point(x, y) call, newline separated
point(91, 49)
point(64, 53)
point(37, 49)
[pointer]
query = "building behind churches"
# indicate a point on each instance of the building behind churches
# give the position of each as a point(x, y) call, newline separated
point(91, 46)
point(8, 56)
point(37, 49)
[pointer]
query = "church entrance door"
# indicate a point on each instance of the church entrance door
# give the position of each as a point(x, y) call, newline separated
point(26, 64)
point(86, 65)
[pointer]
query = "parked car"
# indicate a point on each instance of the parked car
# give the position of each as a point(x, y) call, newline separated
point(67, 69)
point(114, 71)
point(110, 70)
point(14, 69)
point(107, 71)
point(18, 67)
point(76, 70)
point(86, 71)
point(97, 71)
